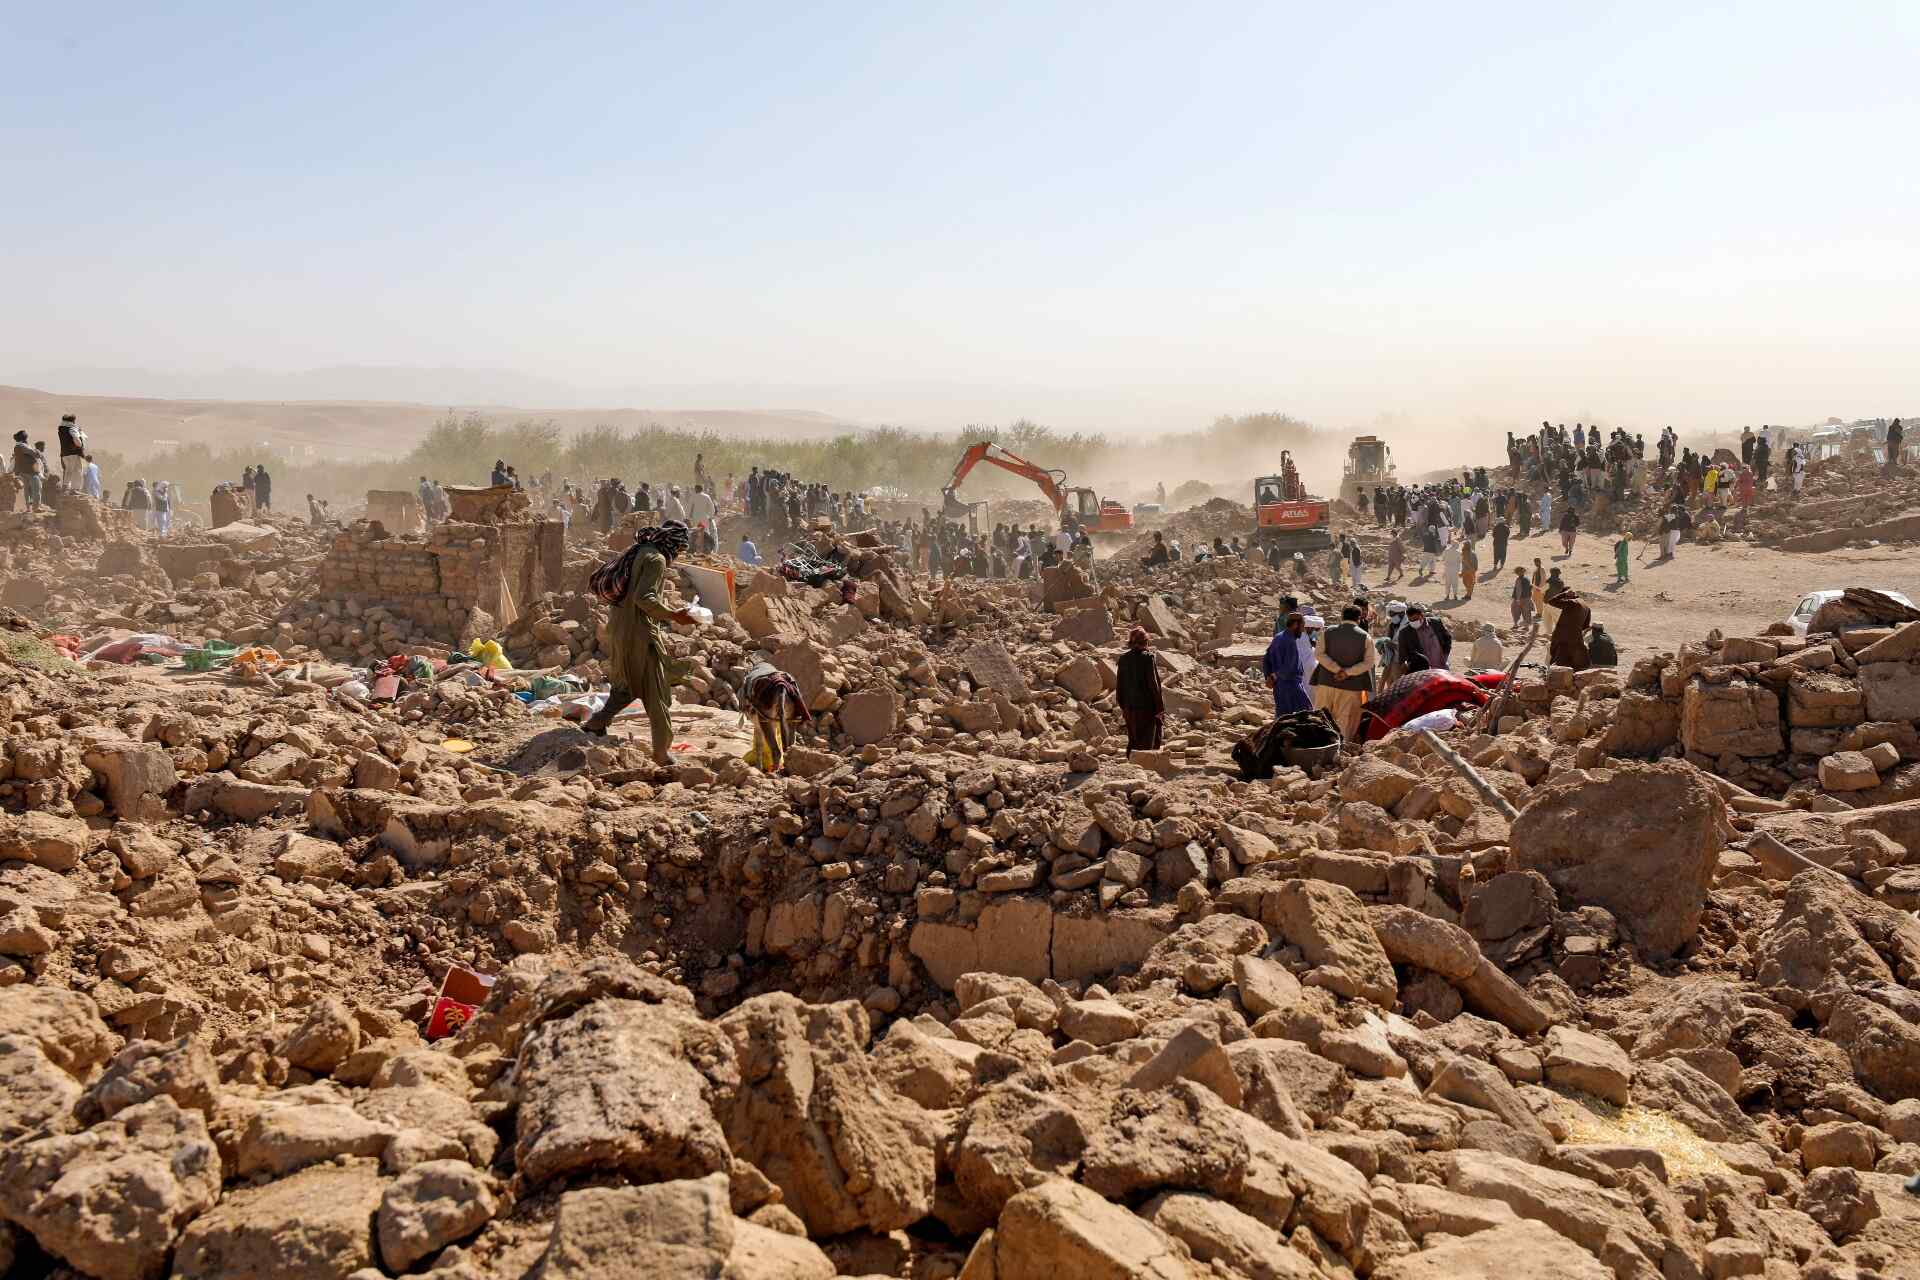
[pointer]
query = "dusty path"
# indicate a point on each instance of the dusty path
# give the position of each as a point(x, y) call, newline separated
point(1736, 587)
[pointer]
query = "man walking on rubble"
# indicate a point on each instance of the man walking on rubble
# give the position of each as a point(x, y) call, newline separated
point(636, 640)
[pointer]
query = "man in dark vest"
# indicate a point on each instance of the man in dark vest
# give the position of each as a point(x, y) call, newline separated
point(1343, 670)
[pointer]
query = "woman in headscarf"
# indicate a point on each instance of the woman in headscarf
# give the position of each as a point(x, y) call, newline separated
point(1569, 645)
point(638, 666)
point(1137, 690)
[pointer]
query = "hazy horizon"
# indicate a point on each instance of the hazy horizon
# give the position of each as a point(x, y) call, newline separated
point(1131, 220)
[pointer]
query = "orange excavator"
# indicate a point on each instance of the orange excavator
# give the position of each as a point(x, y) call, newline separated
point(1285, 514)
point(1079, 508)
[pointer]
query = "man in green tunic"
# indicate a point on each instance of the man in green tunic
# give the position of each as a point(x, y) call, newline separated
point(639, 666)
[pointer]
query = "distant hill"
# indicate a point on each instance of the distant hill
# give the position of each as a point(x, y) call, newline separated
point(321, 428)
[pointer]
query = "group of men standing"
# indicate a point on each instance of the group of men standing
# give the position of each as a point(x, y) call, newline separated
point(78, 472)
point(1310, 665)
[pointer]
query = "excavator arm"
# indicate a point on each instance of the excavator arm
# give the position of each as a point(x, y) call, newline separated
point(1052, 482)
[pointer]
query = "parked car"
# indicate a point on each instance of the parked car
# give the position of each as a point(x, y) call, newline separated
point(1810, 604)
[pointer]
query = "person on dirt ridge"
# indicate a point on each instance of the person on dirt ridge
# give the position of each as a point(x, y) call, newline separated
point(636, 641)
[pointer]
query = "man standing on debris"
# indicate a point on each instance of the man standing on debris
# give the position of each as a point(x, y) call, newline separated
point(638, 664)
point(1895, 435)
point(1762, 460)
point(26, 466)
point(1283, 669)
point(703, 515)
point(1396, 558)
point(1137, 690)
point(73, 449)
point(1343, 670)
point(90, 479)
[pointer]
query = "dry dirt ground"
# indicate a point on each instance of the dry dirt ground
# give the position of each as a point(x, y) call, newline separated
point(1736, 587)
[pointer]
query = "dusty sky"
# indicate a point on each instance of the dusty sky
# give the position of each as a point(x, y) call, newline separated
point(1123, 216)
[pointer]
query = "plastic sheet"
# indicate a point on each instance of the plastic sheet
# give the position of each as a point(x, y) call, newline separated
point(488, 653)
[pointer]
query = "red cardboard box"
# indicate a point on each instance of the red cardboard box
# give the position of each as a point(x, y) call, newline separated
point(462, 992)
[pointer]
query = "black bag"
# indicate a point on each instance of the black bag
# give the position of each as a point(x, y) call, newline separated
point(1265, 749)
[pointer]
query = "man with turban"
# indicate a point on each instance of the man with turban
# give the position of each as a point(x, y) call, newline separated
point(636, 638)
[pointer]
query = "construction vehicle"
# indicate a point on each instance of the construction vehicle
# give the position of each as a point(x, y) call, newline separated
point(1285, 515)
point(1079, 507)
point(1369, 467)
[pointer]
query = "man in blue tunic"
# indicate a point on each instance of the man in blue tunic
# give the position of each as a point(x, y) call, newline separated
point(1283, 668)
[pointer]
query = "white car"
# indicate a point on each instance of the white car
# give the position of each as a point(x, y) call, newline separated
point(1810, 604)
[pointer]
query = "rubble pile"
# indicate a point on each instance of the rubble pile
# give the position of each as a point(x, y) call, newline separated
point(1196, 526)
point(1823, 721)
point(1843, 502)
point(1621, 983)
point(83, 569)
